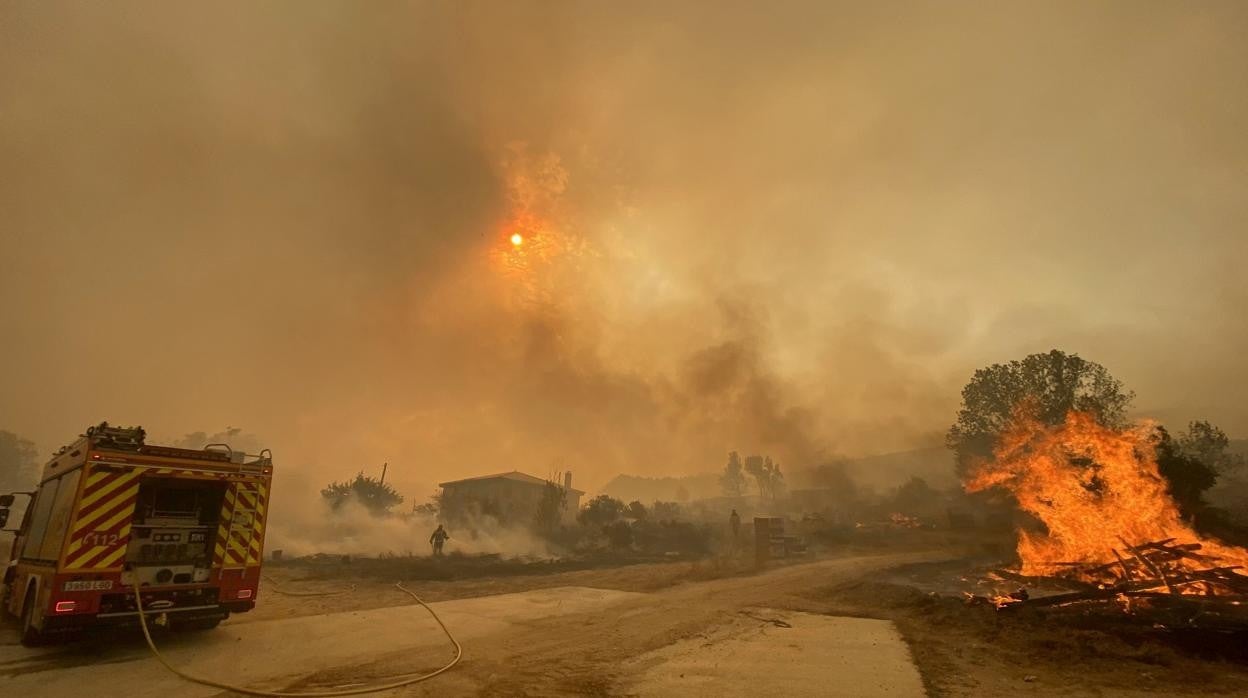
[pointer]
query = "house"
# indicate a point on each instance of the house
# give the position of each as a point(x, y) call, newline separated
point(512, 498)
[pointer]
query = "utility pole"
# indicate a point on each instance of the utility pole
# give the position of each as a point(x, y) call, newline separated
point(383, 472)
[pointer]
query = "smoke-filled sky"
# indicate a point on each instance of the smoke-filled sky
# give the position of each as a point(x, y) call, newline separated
point(791, 228)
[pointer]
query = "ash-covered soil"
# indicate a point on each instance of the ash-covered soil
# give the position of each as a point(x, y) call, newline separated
point(975, 650)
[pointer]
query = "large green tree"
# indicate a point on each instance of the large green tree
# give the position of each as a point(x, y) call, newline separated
point(1055, 383)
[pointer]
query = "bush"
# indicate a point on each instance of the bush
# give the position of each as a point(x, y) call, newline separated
point(659, 537)
point(375, 496)
point(619, 534)
point(665, 511)
point(636, 511)
point(602, 510)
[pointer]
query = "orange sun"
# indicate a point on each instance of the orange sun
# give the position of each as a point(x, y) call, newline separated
point(517, 239)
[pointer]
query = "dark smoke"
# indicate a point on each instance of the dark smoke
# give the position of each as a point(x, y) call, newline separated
point(791, 230)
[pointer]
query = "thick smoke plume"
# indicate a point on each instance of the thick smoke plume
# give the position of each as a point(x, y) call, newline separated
point(791, 231)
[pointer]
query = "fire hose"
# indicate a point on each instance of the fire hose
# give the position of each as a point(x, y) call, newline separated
point(459, 652)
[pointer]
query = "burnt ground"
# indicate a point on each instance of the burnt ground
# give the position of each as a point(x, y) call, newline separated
point(965, 650)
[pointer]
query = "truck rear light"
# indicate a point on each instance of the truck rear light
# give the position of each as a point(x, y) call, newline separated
point(244, 593)
point(66, 606)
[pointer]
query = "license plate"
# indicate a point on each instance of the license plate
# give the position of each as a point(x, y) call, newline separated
point(96, 585)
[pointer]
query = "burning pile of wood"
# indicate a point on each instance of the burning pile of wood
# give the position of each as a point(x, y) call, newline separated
point(1102, 502)
point(1176, 568)
point(1159, 568)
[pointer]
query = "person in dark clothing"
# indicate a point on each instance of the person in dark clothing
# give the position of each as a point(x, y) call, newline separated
point(439, 537)
point(734, 521)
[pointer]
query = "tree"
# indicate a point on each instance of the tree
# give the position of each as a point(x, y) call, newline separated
point(682, 494)
point(1055, 383)
point(732, 482)
point(636, 511)
point(550, 508)
point(665, 511)
point(915, 497)
point(776, 486)
point(1209, 445)
point(19, 462)
point(620, 534)
point(374, 495)
point(601, 511)
point(766, 475)
point(1189, 477)
point(429, 508)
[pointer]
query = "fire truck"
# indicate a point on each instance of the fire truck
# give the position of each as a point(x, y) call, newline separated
point(112, 512)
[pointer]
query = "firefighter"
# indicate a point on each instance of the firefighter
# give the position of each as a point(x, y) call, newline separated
point(438, 538)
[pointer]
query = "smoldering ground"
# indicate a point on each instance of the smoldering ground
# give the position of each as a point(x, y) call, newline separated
point(793, 231)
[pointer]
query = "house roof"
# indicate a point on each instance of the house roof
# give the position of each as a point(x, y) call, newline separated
point(515, 475)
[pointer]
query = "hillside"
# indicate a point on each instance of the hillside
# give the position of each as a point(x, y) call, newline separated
point(886, 471)
point(879, 473)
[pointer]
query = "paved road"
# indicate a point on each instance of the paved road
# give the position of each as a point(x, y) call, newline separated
point(608, 653)
point(767, 652)
point(706, 638)
point(272, 654)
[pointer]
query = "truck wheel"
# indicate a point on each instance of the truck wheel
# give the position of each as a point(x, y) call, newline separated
point(31, 637)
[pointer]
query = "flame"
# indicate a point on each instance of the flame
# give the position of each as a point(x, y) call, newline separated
point(903, 521)
point(1100, 495)
point(997, 601)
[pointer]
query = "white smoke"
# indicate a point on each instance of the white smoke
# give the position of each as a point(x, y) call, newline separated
point(353, 530)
